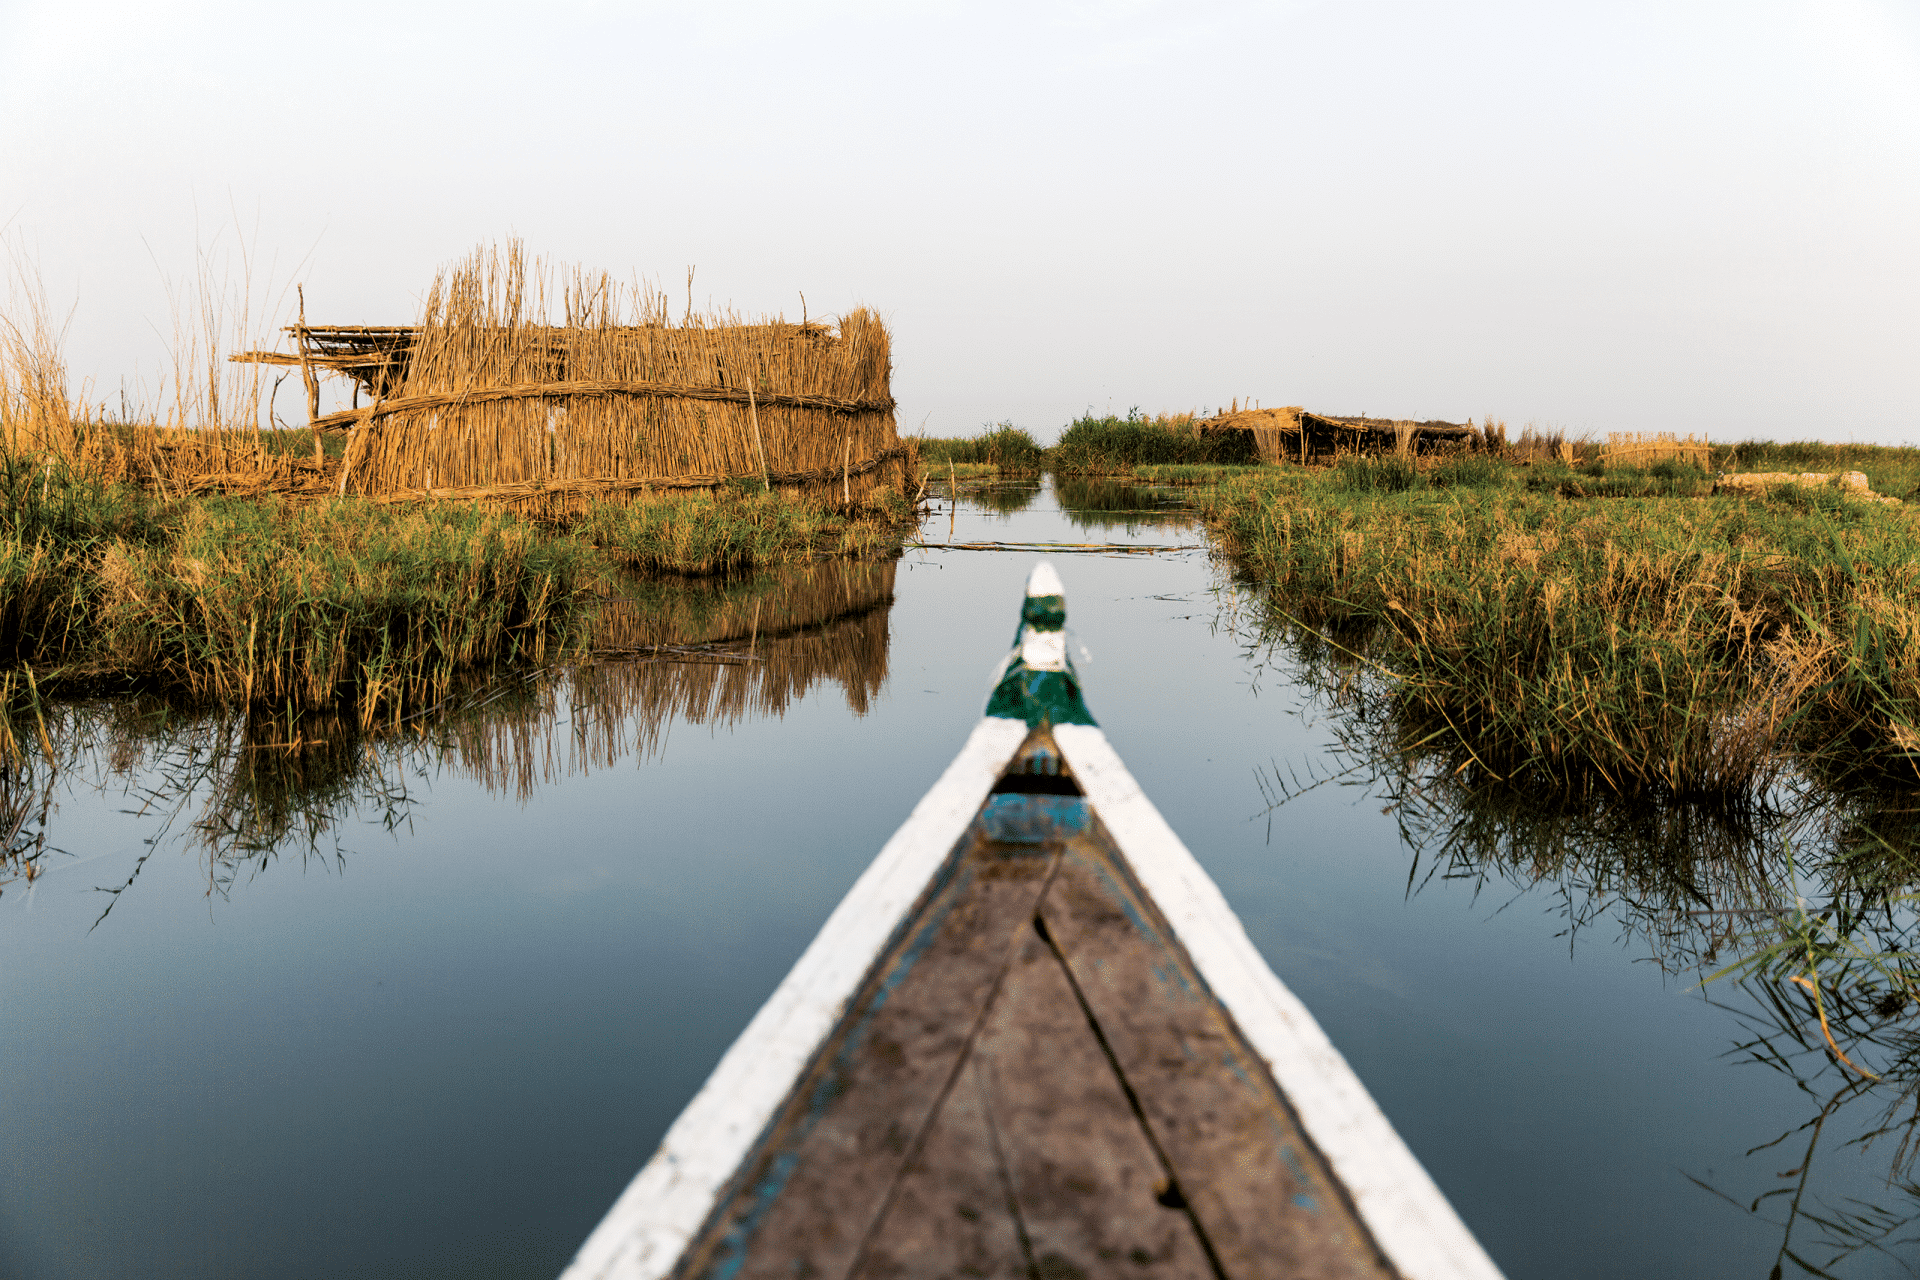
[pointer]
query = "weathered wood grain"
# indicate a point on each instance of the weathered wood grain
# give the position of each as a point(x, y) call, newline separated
point(1087, 1181)
point(1260, 1192)
point(834, 1155)
point(950, 1213)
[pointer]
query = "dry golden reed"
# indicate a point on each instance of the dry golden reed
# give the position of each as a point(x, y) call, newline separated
point(1638, 448)
point(518, 387)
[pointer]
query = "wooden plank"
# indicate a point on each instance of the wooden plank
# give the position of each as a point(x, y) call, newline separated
point(830, 1160)
point(1090, 1187)
point(1407, 1215)
point(950, 1214)
point(1259, 1190)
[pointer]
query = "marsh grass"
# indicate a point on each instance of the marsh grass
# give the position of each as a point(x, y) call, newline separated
point(1374, 473)
point(264, 601)
point(258, 601)
point(1635, 644)
point(1005, 448)
point(1802, 901)
point(1110, 444)
point(250, 601)
point(736, 529)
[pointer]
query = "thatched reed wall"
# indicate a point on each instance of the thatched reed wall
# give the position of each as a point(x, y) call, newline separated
point(496, 398)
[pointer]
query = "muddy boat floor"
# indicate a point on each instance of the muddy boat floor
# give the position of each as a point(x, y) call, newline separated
point(1034, 1081)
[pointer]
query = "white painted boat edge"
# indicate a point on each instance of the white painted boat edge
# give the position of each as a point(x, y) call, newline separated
point(645, 1231)
point(1421, 1235)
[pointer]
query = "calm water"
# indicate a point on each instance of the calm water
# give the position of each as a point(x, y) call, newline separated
point(421, 1007)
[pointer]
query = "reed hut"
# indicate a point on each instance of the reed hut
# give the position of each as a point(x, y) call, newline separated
point(490, 397)
point(1292, 434)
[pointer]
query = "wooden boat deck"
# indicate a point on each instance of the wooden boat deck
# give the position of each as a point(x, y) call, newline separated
point(1032, 1041)
point(1035, 1080)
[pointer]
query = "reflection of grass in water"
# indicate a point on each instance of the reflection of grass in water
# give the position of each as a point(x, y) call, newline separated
point(666, 610)
point(1005, 498)
point(1809, 893)
point(1108, 504)
point(243, 787)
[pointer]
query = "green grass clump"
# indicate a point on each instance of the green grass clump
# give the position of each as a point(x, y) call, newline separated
point(1640, 643)
point(1374, 473)
point(1475, 470)
point(54, 527)
point(722, 531)
point(248, 601)
point(1186, 473)
point(1004, 447)
point(268, 602)
point(1108, 445)
point(1596, 479)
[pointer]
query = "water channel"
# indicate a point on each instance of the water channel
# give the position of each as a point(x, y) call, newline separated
point(420, 1004)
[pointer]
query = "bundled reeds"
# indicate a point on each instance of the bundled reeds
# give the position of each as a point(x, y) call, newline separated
point(1639, 448)
point(501, 400)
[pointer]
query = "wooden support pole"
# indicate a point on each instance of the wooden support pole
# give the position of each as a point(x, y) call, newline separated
point(753, 415)
point(308, 377)
point(846, 456)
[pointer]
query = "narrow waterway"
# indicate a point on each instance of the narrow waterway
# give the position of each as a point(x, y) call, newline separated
point(419, 1004)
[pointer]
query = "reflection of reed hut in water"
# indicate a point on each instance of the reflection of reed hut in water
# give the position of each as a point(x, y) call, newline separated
point(1294, 435)
point(764, 645)
point(489, 398)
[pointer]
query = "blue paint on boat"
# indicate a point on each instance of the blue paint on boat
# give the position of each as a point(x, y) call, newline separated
point(1033, 819)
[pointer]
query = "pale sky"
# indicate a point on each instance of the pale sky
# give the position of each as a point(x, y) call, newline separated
point(1598, 216)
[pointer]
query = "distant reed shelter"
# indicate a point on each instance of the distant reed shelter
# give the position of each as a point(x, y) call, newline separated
point(1292, 434)
point(489, 397)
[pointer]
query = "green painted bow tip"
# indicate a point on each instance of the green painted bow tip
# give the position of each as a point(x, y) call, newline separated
point(1037, 683)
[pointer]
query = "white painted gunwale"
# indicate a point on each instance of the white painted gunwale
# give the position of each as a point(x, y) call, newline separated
point(649, 1226)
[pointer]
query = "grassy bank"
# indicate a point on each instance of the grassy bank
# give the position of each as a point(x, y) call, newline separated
point(270, 602)
point(1003, 448)
point(1613, 629)
point(1165, 449)
point(1109, 445)
point(726, 530)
